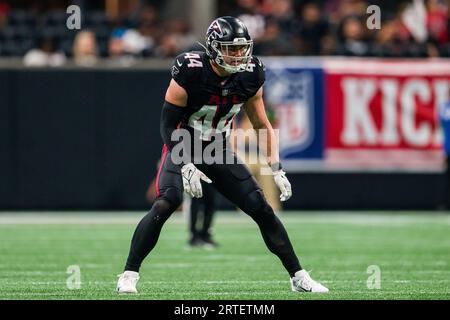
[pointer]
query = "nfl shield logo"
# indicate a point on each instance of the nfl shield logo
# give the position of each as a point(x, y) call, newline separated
point(224, 92)
point(291, 95)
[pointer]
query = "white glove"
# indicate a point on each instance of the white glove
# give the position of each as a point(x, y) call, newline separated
point(283, 184)
point(192, 180)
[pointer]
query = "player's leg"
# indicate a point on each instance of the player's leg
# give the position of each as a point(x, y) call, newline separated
point(209, 202)
point(235, 182)
point(169, 190)
point(169, 195)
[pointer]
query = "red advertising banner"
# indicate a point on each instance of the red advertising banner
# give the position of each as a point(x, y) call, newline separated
point(382, 114)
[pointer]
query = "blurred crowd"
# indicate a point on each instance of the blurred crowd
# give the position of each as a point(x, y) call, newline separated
point(409, 28)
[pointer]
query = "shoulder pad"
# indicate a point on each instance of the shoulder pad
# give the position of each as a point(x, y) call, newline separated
point(185, 65)
point(255, 76)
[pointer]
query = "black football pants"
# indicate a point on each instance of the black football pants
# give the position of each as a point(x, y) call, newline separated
point(236, 183)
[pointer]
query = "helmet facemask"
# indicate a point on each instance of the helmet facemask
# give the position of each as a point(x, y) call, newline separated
point(233, 56)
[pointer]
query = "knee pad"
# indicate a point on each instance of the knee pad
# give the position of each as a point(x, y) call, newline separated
point(172, 195)
point(255, 202)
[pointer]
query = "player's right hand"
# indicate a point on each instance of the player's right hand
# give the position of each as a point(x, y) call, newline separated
point(192, 180)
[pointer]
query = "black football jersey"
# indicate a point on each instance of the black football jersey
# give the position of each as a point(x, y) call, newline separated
point(213, 101)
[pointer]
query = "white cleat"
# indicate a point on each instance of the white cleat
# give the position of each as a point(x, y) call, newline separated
point(127, 282)
point(302, 282)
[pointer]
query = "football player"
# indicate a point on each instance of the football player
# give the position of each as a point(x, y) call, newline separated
point(206, 91)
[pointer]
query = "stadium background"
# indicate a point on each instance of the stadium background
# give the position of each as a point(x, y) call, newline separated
point(80, 109)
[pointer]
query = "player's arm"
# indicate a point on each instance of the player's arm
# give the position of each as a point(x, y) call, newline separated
point(172, 112)
point(254, 108)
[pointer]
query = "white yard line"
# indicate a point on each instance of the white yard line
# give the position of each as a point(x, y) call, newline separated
point(249, 282)
point(127, 217)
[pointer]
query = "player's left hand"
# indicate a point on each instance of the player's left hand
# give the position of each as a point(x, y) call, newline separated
point(283, 184)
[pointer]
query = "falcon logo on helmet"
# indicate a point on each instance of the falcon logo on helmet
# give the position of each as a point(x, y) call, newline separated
point(216, 31)
point(228, 44)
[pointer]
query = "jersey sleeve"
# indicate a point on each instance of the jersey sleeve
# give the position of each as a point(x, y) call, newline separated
point(260, 72)
point(258, 76)
point(179, 71)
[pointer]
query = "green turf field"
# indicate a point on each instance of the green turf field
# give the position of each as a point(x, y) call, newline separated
point(412, 251)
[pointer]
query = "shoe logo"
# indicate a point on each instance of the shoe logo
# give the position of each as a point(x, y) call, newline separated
point(307, 290)
point(303, 286)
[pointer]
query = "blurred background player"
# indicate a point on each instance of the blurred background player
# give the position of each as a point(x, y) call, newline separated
point(200, 217)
